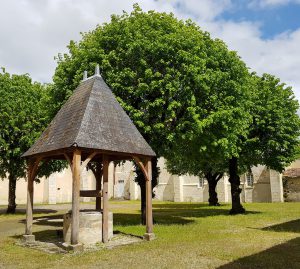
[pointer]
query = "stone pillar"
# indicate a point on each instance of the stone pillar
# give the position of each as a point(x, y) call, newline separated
point(84, 184)
point(52, 189)
point(178, 189)
point(133, 189)
point(276, 186)
point(227, 190)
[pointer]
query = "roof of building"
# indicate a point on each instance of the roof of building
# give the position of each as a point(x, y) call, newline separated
point(292, 173)
point(92, 118)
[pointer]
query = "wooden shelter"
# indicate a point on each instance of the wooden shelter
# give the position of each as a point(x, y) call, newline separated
point(90, 127)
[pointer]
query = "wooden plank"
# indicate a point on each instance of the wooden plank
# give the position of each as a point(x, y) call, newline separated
point(149, 218)
point(105, 200)
point(29, 206)
point(91, 193)
point(75, 196)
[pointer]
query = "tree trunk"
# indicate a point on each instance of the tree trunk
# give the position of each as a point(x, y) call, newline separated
point(234, 180)
point(213, 180)
point(213, 196)
point(11, 208)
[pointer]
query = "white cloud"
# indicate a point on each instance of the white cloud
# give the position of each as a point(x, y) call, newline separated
point(34, 31)
point(204, 10)
point(279, 56)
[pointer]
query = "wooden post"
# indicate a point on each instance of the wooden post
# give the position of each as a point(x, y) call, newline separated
point(98, 185)
point(76, 169)
point(105, 200)
point(149, 218)
point(29, 206)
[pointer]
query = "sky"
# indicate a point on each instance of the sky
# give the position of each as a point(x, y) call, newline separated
point(265, 33)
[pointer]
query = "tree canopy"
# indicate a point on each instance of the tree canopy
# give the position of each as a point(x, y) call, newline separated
point(152, 62)
point(187, 93)
point(23, 115)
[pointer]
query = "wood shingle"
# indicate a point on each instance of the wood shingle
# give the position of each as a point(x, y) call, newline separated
point(92, 118)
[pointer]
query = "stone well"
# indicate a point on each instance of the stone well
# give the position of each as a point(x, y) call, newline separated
point(90, 227)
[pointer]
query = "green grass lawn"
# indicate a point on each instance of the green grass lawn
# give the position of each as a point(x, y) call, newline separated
point(189, 235)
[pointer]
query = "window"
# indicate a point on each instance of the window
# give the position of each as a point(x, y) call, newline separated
point(201, 182)
point(249, 177)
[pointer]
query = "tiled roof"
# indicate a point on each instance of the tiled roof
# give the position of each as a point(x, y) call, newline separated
point(292, 172)
point(92, 118)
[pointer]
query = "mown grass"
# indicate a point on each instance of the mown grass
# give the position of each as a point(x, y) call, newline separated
point(189, 235)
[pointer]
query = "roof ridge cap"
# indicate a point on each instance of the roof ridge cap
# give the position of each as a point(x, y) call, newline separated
point(83, 114)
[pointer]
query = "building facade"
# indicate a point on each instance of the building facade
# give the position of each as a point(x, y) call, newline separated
point(259, 185)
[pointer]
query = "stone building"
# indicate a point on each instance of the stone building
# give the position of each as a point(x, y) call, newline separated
point(291, 182)
point(261, 185)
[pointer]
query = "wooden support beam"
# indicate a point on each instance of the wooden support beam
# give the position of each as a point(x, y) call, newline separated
point(105, 200)
point(141, 165)
point(98, 176)
point(87, 160)
point(29, 206)
point(149, 218)
point(68, 159)
point(31, 174)
point(91, 193)
point(76, 170)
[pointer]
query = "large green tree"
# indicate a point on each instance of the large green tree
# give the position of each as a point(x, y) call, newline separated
point(155, 65)
point(23, 115)
point(273, 138)
point(214, 138)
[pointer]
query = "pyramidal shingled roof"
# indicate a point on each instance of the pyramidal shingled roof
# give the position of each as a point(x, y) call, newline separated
point(92, 118)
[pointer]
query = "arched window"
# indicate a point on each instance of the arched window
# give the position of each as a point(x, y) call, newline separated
point(249, 177)
point(201, 182)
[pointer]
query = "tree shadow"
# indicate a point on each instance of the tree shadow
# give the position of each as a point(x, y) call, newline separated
point(286, 255)
point(169, 214)
point(290, 226)
point(22, 211)
point(182, 205)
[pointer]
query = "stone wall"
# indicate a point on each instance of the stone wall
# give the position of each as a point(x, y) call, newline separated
point(292, 189)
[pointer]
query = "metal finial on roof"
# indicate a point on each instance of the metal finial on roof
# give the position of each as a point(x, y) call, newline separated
point(97, 70)
point(84, 75)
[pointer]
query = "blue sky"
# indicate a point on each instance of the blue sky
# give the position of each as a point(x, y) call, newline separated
point(272, 20)
point(265, 33)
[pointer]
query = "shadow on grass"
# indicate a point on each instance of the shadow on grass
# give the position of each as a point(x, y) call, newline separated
point(168, 214)
point(290, 226)
point(54, 221)
point(22, 211)
point(286, 255)
point(163, 214)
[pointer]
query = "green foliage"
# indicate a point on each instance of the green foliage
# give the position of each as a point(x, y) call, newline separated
point(221, 124)
point(23, 115)
point(274, 133)
point(155, 65)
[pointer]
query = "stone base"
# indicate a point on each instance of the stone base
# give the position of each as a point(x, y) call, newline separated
point(29, 238)
point(75, 248)
point(90, 227)
point(149, 236)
